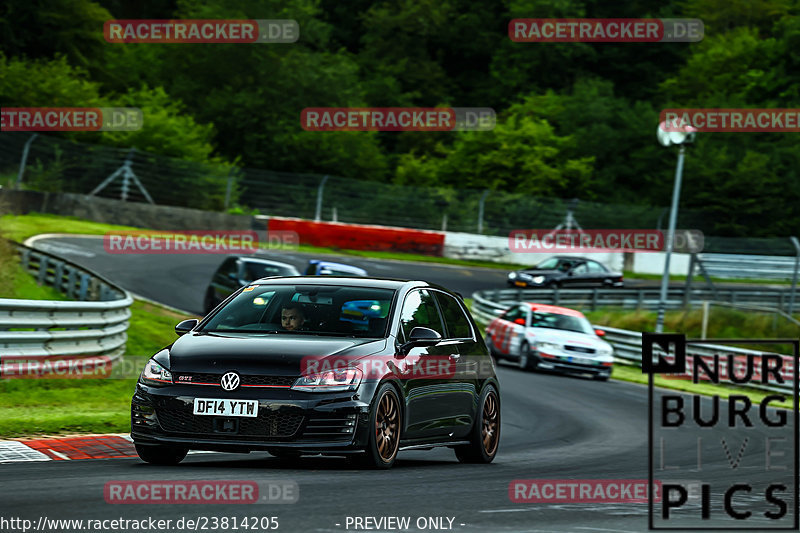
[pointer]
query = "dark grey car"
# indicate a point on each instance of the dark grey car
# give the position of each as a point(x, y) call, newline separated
point(236, 272)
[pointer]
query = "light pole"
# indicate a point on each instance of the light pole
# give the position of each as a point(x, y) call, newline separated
point(677, 135)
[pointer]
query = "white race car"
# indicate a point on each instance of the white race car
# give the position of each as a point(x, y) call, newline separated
point(547, 337)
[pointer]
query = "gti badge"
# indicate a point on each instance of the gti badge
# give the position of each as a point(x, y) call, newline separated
point(230, 381)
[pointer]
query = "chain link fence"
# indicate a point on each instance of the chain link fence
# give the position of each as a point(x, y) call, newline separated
point(57, 165)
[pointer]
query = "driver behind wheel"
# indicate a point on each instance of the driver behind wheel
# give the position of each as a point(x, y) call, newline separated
point(292, 316)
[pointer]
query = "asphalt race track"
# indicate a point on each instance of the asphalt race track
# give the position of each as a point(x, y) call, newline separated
point(553, 427)
point(180, 280)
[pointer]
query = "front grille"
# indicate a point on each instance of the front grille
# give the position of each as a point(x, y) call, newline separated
point(264, 425)
point(199, 378)
point(330, 428)
point(272, 381)
point(579, 349)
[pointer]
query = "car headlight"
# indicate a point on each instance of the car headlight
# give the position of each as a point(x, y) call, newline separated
point(512, 275)
point(155, 374)
point(548, 347)
point(341, 379)
point(538, 279)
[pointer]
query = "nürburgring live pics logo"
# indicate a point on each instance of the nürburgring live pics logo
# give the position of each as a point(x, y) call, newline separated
point(743, 451)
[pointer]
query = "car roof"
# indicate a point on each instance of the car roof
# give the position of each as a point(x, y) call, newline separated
point(378, 283)
point(264, 261)
point(569, 258)
point(553, 309)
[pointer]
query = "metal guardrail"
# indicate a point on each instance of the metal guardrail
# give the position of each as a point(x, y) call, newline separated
point(736, 266)
point(94, 326)
point(628, 344)
point(644, 298)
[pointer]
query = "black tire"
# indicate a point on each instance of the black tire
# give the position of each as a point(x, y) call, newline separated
point(601, 377)
point(161, 455)
point(385, 424)
point(485, 435)
point(526, 359)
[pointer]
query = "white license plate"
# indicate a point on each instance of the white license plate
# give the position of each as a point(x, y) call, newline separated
point(225, 407)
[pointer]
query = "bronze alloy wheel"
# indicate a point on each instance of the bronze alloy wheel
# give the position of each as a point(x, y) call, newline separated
point(489, 426)
point(387, 427)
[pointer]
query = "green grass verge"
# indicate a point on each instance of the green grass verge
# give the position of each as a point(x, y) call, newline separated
point(634, 374)
point(20, 227)
point(723, 323)
point(699, 281)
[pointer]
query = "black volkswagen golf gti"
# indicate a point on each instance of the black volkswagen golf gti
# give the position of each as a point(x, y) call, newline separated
point(357, 367)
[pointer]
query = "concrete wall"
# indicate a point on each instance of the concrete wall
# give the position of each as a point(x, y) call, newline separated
point(490, 248)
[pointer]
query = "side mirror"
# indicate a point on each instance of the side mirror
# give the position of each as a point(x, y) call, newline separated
point(420, 336)
point(520, 321)
point(186, 326)
point(599, 333)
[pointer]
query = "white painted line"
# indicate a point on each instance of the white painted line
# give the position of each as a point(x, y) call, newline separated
point(606, 529)
point(58, 454)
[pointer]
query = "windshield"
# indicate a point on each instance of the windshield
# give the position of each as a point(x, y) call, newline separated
point(305, 310)
point(254, 271)
point(564, 322)
point(547, 264)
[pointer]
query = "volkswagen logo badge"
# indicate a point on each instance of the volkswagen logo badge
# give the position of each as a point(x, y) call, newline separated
point(230, 381)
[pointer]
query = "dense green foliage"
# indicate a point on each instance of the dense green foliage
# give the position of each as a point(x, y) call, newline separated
point(574, 119)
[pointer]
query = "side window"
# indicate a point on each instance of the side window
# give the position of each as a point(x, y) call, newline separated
point(580, 269)
point(457, 323)
point(228, 267)
point(595, 267)
point(513, 313)
point(419, 309)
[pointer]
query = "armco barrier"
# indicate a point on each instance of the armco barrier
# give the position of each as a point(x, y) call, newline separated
point(40, 330)
point(361, 237)
point(628, 345)
point(646, 297)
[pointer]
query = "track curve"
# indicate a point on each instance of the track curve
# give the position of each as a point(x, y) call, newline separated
point(553, 427)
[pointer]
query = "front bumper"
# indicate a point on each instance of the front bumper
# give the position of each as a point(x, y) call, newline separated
point(576, 365)
point(286, 419)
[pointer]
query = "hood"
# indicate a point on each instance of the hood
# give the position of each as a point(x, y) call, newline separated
point(573, 338)
point(277, 355)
